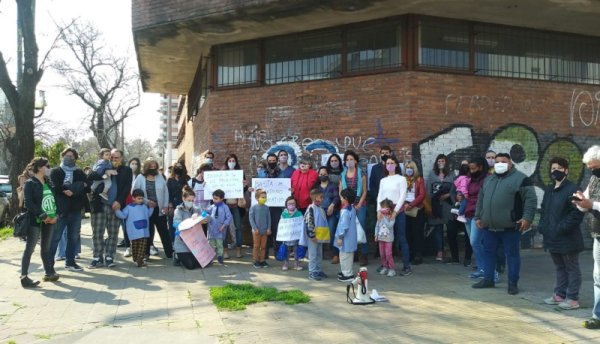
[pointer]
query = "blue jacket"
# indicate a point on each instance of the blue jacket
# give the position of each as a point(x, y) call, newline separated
point(137, 218)
point(219, 215)
point(346, 230)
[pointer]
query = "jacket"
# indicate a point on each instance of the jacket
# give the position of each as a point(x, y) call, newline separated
point(560, 220)
point(175, 187)
point(374, 180)
point(162, 192)
point(80, 187)
point(137, 218)
point(346, 230)
point(182, 213)
point(33, 193)
point(474, 187)
point(505, 199)
point(220, 215)
point(302, 183)
point(123, 181)
point(419, 188)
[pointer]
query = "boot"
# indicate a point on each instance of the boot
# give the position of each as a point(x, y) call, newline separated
point(335, 260)
point(225, 253)
point(238, 252)
point(26, 282)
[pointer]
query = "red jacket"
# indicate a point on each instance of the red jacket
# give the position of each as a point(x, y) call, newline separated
point(419, 193)
point(302, 183)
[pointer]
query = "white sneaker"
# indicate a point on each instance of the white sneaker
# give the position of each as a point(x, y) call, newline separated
point(153, 251)
point(461, 218)
point(127, 252)
point(383, 271)
point(454, 211)
point(391, 273)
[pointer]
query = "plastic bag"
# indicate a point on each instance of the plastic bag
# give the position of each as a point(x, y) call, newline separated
point(361, 237)
point(300, 251)
point(282, 253)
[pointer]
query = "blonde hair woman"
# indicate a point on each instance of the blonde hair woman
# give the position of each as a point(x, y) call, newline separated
point(415, 215)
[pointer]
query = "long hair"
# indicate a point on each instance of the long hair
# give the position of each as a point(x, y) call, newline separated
point(237, 163)
point(446, 169)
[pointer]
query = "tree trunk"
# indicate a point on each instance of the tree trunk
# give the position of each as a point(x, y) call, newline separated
point(101, 131)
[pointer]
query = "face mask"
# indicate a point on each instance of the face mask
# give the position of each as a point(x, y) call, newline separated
point(152, 171)
point(47, 173)
point(68, 161)
point(323, 178)
point(384, 158)
point(283, 159)
point(441, 165)
point(501, 167)
point(476, 174)
point(231, 165)
point(390, 168)
point(351, 164)
point(385, 211)
point(317, 203)
point(335, 164)
point(596, 172)
point(116, 164)
point(272, 165)
point(178, 170)
point(262, 201)
point(291, 207)
point(208, 161)
point(558, 175)
point(410, 172)
point(491, 162)
point(188, 204)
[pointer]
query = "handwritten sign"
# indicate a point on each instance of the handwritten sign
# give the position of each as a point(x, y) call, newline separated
point(231, 182)
point(290, 229)
point(196, 241)
point(278, 189)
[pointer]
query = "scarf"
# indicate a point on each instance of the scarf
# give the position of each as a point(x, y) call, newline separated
point(68, 173)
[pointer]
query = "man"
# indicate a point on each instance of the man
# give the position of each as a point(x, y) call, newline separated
point(505, 207)
point(104, 218)
point(273, 171)
point(286, 169)
point(70, 188)
point(374, 180)
point(589, 201)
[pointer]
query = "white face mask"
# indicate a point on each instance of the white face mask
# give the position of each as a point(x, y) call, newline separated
point(188, 204)
point(501, 167)
point(491, 162)
point(231, 165)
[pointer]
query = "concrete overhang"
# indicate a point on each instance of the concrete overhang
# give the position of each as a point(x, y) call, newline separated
point(169, 41)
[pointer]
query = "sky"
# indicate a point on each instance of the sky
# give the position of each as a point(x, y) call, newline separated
point(113, 19)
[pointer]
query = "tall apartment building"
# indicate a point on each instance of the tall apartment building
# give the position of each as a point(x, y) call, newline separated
point(169, 105)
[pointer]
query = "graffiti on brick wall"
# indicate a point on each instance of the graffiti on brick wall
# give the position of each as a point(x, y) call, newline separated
point(584, 108)
point(483, 104)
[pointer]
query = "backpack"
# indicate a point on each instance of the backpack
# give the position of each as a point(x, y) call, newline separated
point(21, 225)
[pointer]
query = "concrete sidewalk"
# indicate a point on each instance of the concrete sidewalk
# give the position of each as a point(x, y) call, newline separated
point(163, 303)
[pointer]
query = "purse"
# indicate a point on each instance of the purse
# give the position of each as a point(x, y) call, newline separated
point(21, 225)
point(413, 212)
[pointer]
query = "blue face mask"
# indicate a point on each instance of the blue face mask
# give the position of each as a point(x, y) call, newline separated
point(410, 172)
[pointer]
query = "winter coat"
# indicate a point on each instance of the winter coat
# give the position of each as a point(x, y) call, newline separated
point(79, 187)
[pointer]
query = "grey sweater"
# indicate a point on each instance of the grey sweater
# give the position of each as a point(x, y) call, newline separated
point(260, 218)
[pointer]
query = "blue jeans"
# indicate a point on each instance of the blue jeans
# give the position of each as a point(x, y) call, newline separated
point(361, 215)
point(463, 206)
point(438, 235)
point(332, 222)
point(315, 257)
point(400, 238)
point(237, 221)
point(62, 246)
point(511, 241)
point(71, 222)
point(596, 274)
point(476, 239)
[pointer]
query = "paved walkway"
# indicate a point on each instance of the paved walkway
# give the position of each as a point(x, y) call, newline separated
point(162, 303)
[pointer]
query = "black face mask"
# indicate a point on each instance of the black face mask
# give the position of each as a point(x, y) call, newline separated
point(178, 170)
point(152, 171)
point(475, 174)
point(272, 165)
point(323, 178)
point(596, 172)
point(558, 175)
point(384, 158)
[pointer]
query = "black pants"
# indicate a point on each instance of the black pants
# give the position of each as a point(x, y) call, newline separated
point(159, 223)
point(275, 213)
point(188, 260)
point(415, 234)
point(45, 231)
point(453, 228)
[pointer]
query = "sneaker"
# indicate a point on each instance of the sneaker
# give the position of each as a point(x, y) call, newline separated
point(339, 274)
point(380, 268)
point(461, 218)
point(592, 324)
point(96, 263)
point(322, 274)
point(298, 267)
point(220, 260)
point(496, 277)
point(122, 243)
point(77, 256)
point(73, 267)
point(264, 264)
point(451, 261)
point(466, 263)
point(153, 251)
point(314, 277)
point(512, 288)
point(392, 273)
point(146, 258)
point(110, 262)
point(484, 284)
point(51, 278)
point(256, 265)
point(58, 259)
point(285, 266)
point(569, 304)
point(439, 257)
point(343, 278)
point(127, 252)
point(404, 272)
point(383, 271)
point(454, 211)
point(476, 274)
point(27, 282)
point(554, 300)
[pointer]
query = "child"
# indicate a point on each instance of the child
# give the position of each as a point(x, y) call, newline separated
point(462, 193)
point(219, 221)
point(104, 169)
point(345, 235)
point(184, 211)
point(289, 212)
point(315, 218)
point(137, 215)
point(384, 235)
point(260, 221)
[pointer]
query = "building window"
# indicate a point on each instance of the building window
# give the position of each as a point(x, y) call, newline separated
point(374, 47)
point(529, 54)
point(303, 57)
point(443, 44)
point(237, 65)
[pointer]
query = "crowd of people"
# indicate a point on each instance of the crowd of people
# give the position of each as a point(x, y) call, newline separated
point(490, 200)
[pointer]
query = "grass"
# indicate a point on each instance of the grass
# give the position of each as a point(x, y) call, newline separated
point(235, 297)
point(6, 232)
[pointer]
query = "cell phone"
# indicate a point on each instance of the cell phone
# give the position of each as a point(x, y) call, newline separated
point(575, 199)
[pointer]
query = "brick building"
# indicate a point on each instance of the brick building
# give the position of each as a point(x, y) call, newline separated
point(426, 77)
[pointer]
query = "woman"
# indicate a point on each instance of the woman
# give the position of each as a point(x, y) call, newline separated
point(236, 211)
point(478, 168)
point(156, 194)
point(178, 178)
point(439, 184)
point(393, 187)
point(415, 196)
point(136, 166)
point(454, 226)
point(303, 180)
point(353, 177)
point(331, 206)
point(41, 210)
point(334, 168)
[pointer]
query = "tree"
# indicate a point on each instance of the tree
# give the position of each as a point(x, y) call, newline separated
point(21, 96)
point(139, 148)
point(105, 82)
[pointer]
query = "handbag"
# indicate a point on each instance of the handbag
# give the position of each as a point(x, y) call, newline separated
point(361, 237)
point(21, 225)
point(413, 212)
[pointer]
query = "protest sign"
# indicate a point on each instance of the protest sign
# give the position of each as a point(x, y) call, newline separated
point(278, 189)
point(196, 241)
point(290, 229)
point(230, 181)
